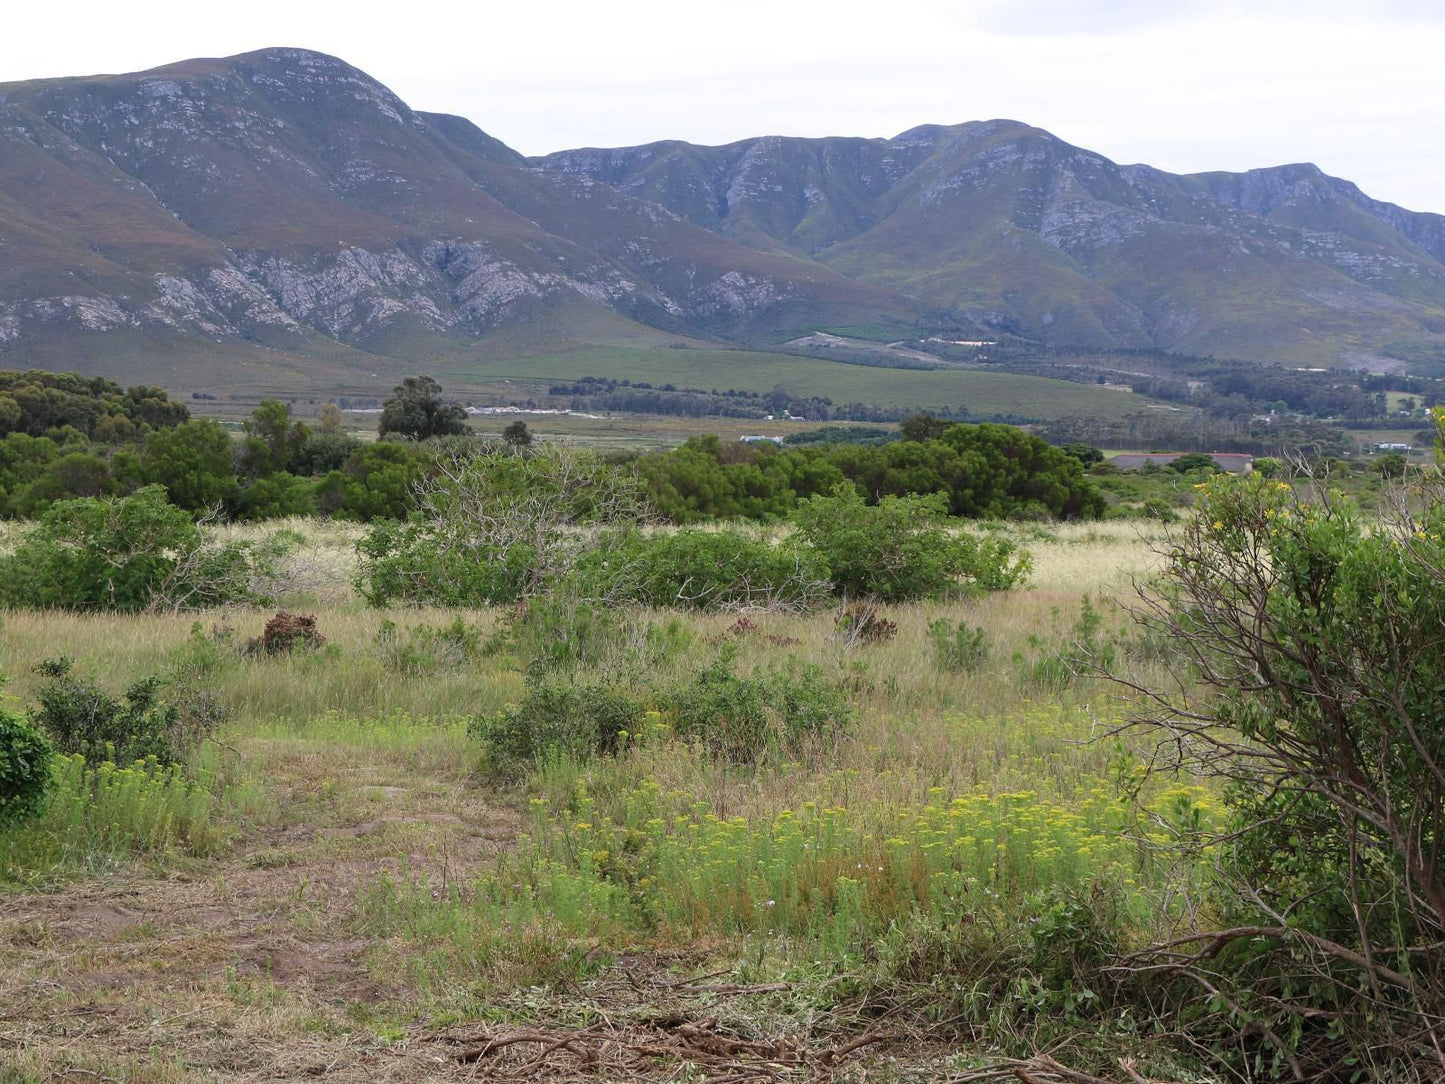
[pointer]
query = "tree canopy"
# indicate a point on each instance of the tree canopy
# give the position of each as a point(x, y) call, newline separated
point(416, 409)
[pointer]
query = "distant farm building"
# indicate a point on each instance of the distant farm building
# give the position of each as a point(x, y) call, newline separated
point(760, 439)
point(1233, 462)
point(1385, 446)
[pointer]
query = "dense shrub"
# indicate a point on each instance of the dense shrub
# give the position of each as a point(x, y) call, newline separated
point(706, 479)
point(405, 562)
point(982, 471)
point(1318, 632)
point(25, 769)
point(127, 553)
point(494, 527)
point(790, 709)
point(36, 402)
point(559, 717)
point(376, 482)
point(706, 570)
point(83, 719)
point(278, 495)
point(322, 452)
point(193, 462)
point(902, 548)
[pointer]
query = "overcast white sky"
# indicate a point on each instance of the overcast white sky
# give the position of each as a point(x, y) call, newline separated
point(1357, 87)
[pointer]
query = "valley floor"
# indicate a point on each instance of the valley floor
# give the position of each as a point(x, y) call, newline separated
point(333, 921)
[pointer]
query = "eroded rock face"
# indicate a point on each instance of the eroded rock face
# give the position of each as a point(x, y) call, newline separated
point(350, 295)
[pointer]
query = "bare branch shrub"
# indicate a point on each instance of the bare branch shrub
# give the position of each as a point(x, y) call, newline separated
point(499, 526)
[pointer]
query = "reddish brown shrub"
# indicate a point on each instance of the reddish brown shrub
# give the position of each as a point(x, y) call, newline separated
point(284, 633)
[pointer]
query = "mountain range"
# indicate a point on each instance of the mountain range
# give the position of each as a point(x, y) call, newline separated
point(284, 214)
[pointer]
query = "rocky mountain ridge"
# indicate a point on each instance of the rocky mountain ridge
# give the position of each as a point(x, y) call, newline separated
point(1005, 224)
point(286, 200)
point(283, 209)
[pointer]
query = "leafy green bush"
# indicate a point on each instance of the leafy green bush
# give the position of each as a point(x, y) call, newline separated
point(1317, 632)
point(1391, 466)
point(705, 570)
point(376, 482)
point(25, 764)
point(82, 718)
point(958, 648)
point(193, 462)
point(982, 471)
point(496, 527)
point(128, 553)
point(405, 562)
point(558, 716)
point(790, 709)
point(902, 548)
point(278, 495)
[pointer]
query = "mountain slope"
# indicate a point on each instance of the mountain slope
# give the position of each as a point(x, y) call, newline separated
point(1003, 223)
point(285, 200)
point(284, 214)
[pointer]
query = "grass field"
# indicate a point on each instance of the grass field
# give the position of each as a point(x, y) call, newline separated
point(983, 394)
point(357, 899)
point(635, 432)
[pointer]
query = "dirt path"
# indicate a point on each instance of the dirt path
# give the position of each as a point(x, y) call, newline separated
point(247, 967)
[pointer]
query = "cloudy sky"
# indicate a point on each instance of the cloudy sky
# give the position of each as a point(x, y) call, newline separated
point(1357, 87)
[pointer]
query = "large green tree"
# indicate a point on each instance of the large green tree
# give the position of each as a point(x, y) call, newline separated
point(193, 461)
point(416, 409)
point(273, 440)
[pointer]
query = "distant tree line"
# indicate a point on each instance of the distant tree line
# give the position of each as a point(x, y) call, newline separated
point(981, 471)
point(1231, 389)
point(65, 436)
point(599, 394)
point(68, 437)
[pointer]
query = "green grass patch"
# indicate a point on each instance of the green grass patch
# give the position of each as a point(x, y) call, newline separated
point(97, 818)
